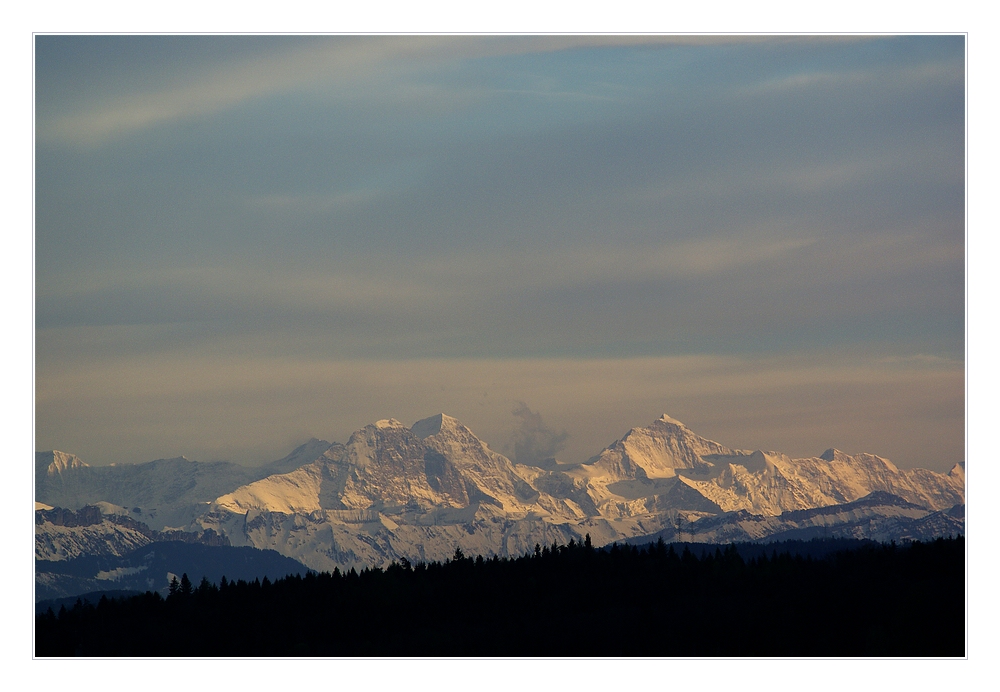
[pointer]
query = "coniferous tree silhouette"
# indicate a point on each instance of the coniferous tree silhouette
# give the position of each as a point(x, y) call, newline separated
point(903, 600)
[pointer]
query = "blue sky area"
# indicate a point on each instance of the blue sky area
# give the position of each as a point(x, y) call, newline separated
point(242, 242)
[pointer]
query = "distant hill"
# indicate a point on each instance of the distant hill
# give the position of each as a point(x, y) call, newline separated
point(151, 567)
point(161, 493)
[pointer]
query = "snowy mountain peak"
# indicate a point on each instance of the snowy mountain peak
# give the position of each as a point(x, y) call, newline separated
point(301, 455)
point(417, 492)
point(673, 421)
point(434, 425)
point(388, 423)
point(862, 459)
point(56, 462)
point(312, 443)
point(657, 451)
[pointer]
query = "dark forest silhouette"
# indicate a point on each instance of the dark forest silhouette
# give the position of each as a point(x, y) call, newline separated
point(562, 600)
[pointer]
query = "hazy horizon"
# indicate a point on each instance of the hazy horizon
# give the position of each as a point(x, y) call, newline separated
point(245, 242)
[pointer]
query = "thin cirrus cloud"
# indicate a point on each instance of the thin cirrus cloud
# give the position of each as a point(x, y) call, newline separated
point(422, 284)
point(206, 90)
point(320, 65)
point(902, 78)
point(518, 304)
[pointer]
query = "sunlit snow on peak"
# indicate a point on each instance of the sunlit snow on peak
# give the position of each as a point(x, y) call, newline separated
point(389, 423)
point(432, 426)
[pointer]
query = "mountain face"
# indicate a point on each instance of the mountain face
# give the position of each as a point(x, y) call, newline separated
point(879, 516)
point(166, 492)
point(394, 492)
point(101, 529)
point(418, 493)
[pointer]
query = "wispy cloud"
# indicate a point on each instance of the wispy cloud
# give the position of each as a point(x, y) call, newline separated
point(901, 77)
point(213, 89)
point(423, 286)
point(316, 65)
point(464, 296)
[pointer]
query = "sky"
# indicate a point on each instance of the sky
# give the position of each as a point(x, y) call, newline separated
point(242, 242)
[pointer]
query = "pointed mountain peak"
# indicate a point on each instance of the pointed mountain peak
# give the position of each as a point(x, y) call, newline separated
point(305, 453)
point(667, 419)
point(833, 455)
point(55, 462)
point(658, 451)
point(433, 425)
point(666, 427)
point(313, 446)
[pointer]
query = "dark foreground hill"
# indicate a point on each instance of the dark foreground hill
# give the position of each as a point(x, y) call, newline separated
point(875, 600)
point(150, 567)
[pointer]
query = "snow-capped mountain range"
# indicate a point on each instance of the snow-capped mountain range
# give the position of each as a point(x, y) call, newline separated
point(419, 492)
point(101, 529)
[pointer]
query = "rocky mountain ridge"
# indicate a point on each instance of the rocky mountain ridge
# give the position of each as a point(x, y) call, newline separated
point(419, 492)
point(102, 529)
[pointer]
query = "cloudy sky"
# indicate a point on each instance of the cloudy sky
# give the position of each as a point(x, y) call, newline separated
point(244, 242)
